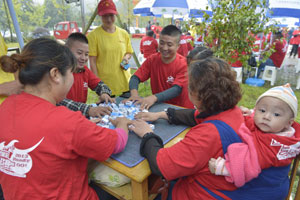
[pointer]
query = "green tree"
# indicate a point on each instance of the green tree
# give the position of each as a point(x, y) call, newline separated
point(231, 29)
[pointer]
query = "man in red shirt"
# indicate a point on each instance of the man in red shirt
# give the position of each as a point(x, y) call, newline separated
point(276, 59)
point(167, 71)
point(184, 46)
point(148, 45)
point(84, 78)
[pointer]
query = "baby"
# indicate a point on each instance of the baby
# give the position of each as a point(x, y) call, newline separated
point(270, 138)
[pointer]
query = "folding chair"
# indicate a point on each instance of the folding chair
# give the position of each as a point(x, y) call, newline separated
point(292, 179)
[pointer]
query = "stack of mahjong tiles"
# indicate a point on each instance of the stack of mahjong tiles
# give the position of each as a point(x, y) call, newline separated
point(128, 110)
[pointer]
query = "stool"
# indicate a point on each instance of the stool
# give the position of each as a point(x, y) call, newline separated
point(239, 73)
point(141, 58)
point(269, 74)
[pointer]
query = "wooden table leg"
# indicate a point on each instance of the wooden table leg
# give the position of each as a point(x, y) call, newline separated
point(139, 190)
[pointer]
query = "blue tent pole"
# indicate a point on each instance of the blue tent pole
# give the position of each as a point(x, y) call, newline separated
point(15, 22)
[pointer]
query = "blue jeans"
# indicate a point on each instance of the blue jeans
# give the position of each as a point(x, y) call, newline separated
point(261, 67)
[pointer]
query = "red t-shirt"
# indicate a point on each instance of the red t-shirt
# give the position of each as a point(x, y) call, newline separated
point(259, 43)
point(153, 28)
point(148, 46)
point(45, 150)
point(296, 33)
point(184, 46)
point(164, 76)
point(280, 50)
point(189, 158)
point(82, 81)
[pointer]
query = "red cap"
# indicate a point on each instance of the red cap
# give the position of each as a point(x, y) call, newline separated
point(106, 7)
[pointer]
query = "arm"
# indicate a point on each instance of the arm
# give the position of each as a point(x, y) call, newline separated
point(168, 94)
point(174, 116)
point(241, 164)
point(76, 106)
point(93, 64)
point(104, 92)
point(9, 88)
point(85, 109)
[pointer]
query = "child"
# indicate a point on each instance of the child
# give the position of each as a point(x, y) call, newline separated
point(148, 45)
point(270, 136)
point(84, 79)
point(167, 71)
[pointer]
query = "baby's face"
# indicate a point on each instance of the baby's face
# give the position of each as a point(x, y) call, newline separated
point(273, 115)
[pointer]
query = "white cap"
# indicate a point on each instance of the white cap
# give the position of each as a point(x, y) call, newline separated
point(284, 93)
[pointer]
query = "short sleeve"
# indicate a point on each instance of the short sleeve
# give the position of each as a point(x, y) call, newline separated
point(143, 73)
point(128, 45)
point(93, 80)
point(92, 43)
point(92, 141)
point(181, 76)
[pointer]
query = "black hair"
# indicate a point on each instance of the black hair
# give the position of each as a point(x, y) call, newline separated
point(36, 60)
point(150, 33)
point(172, 31)
point(199, 53)
point(76, 37)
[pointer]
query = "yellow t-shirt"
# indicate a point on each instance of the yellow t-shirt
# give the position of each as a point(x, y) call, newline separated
point(4, 77)
point(110, 48)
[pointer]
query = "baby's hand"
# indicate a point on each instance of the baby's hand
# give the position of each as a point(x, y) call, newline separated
point(245, 111)
point(212, 165)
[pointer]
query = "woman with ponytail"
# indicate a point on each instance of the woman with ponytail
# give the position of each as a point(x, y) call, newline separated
point(45, 148)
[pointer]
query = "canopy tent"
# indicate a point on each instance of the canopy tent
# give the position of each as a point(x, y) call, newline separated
point(286, 8)
point(173, 9)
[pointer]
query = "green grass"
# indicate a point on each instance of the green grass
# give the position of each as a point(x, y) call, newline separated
point(250, 94)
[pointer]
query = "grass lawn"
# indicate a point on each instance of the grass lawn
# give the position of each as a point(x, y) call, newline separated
point(250, 94)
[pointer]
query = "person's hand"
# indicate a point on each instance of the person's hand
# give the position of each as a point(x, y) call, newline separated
point(106, 98)
point(95, 120)
point(148, 116)
point(133, 98)
point(245, 111)
point(140, 127)
point(146, 102)
point(99, 111)
point(121, 122)
point(125, 60)
point(212, 165)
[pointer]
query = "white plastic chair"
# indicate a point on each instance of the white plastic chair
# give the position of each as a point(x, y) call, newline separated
point(270, 74)
point(239, 73)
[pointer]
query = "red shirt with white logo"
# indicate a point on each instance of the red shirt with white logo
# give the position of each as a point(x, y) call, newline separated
point(184, 46)
point(164, 76)
point(45, 150)
point(82, 81)
point(148, 46)
point(259, 43)
point(280, 50)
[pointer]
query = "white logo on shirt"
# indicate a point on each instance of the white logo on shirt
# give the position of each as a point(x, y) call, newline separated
point(285, 48)
point(182, 41)
point(15, 162)
point(85, 84)
point(286, 151)
point(170, 79)
point(147, 43)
